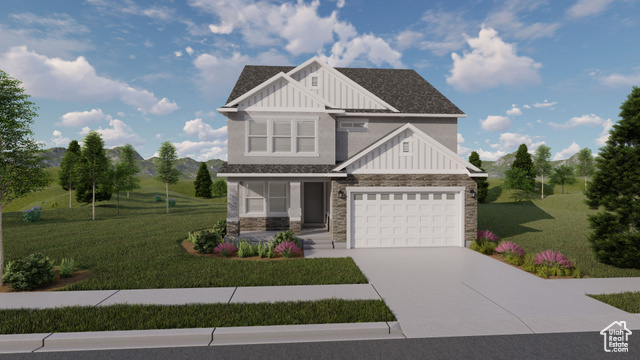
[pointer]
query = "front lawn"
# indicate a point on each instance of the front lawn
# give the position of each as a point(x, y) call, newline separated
point(147, 317)
point(140, 247)
point(626, 301)
point(557, 222)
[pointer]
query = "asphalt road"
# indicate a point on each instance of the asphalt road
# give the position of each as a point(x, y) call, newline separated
point(587, 345)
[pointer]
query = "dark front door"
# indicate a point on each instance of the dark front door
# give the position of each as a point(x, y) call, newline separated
point(314, 203)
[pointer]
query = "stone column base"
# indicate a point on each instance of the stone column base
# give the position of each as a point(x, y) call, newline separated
point(233, 228)
point(295, 226)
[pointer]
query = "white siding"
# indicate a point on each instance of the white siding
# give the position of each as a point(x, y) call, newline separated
point(335, 90)
point(388, 157)
point(280, 95)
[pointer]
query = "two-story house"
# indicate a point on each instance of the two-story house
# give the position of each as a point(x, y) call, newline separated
point(370, 154)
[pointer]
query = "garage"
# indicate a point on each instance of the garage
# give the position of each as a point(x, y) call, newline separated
point(405, 217)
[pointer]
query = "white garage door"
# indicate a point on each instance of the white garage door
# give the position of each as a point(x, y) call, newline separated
point(411, 219)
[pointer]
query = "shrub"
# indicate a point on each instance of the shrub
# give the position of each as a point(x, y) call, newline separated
point(66, 268)
point(225, 249)
point(513, 258)
point(26, 274)
point(287, 248)
point(245, 249)
point(486, 247)
point(53, 205)
point(33, 214)
point(220, 227)
point(262, 249)
point(205, 242)
point(287, 235)
point(509, 247)
point(172, 202)
point(157, 198)
point(486, 235)
point(553, 258)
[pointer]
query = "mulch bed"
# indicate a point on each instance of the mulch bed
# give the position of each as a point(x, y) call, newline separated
point(499, 257)
point(188, 246)
point(57, 284)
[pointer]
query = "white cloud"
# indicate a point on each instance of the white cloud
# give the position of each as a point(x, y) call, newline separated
point(189, 50)
point(584, 8)
point(83, 118)
point(444, 31)
point(202, 150)
point(619, 80)
point(75, 81)
point(159, 136)
point(460, 139)
point(408, 39)
point(224, 28)
point(604, 135)
point(177, 53)
point(117, 135)
point(584, 120)
point(60, 23)
point(544, 104)
point(204, 131)
point(567, 153)
point(490, 155)
point(368, 46)
point(58, 140)
point(526, 106)
point(508, 21)
point(491, 63)
point(495, 123)
point(514, 111)
point(511, 141)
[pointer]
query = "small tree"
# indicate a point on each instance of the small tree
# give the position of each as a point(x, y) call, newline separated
point(21, 170)
point(219, 187)
point(67, 175)
point(563, 175)
point(203, 182)
point(542, 165)
point(586, 166)
point(616, 188)
point(93, 171)
point(516, 179)
point(483, 184)
point(118, 173)
point(128, 158)
point(165, 167)
point(523, 161)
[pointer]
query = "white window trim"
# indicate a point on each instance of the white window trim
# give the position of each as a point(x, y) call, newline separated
point(409, 141)
point(294, 134)
point(265, 200)
point(365, 128)
point(317, 86)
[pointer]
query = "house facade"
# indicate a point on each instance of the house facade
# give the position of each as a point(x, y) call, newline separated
point(369, 154)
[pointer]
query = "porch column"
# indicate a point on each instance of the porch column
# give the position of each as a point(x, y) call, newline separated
point(233, 207)
point(295, 207)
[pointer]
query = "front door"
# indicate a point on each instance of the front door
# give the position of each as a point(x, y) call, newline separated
point(314, 203)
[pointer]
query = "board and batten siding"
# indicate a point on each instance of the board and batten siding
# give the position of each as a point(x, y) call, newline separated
point(335, 90)
point(280, 95)
point(388, 158)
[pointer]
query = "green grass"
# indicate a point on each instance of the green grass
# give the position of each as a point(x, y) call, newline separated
point(140, 247)
point(626, 301)
point(147, 317)
point(557, 222)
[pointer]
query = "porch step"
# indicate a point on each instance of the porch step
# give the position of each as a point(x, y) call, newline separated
point(318, 246)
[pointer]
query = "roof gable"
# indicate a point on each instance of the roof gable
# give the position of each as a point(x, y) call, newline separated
point(426, 156)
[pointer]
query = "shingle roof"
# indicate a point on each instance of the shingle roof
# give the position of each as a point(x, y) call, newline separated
point(403, 89)
point(271, 169)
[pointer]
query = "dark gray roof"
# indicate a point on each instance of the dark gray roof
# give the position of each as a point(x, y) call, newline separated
point(274, 169)
point(403, 89)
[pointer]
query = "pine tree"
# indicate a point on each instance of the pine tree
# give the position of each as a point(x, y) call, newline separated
point(523, 161)
point(21, 170)
point(586, 166)
point(128, 158)
point(93, 172)
point(542, 165)
point(67, 175)
point(203, 182)
point(615, 188)
point(483, 184)
point(165, 167)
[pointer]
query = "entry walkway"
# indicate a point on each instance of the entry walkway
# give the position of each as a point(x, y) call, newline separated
point(438, 292)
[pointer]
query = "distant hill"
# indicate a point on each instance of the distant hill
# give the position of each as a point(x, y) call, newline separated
point(496, 169)
point(187, 166)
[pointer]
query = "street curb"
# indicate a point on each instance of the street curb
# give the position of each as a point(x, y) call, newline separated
point(133, 339)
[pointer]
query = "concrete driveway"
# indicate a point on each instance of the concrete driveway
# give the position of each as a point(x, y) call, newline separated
point(458, 292)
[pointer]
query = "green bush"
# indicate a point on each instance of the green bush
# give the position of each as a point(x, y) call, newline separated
point(172, 202)
point(220, 226)
point(66, 268)
point(157, 198)
point(286, 235)
point(33, 214)
point(513, 259)
point(262, 249)
point(26, 274)
point(205, 241)
point(245, 249)
point(485, 247)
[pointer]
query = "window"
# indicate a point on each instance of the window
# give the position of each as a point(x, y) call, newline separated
point(353, 125)
point(254, 198)
point(397, 196)
point(282, 136)
point(306, 136)
point(257, 136)
point(411, 196)
point(314, 81)
point(405, 148)
point(277, 197)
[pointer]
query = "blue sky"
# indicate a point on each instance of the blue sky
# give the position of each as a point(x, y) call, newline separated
point(140, 72)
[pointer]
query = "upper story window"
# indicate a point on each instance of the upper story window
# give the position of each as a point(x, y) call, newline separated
point(406, 148)
point(353, 125)
point(282, 136)
point(314, 82)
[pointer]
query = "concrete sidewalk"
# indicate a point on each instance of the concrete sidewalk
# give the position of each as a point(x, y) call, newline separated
point(257, 294)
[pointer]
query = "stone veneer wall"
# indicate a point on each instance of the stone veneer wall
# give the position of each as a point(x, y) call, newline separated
point(339, 206)
point(262, 224)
